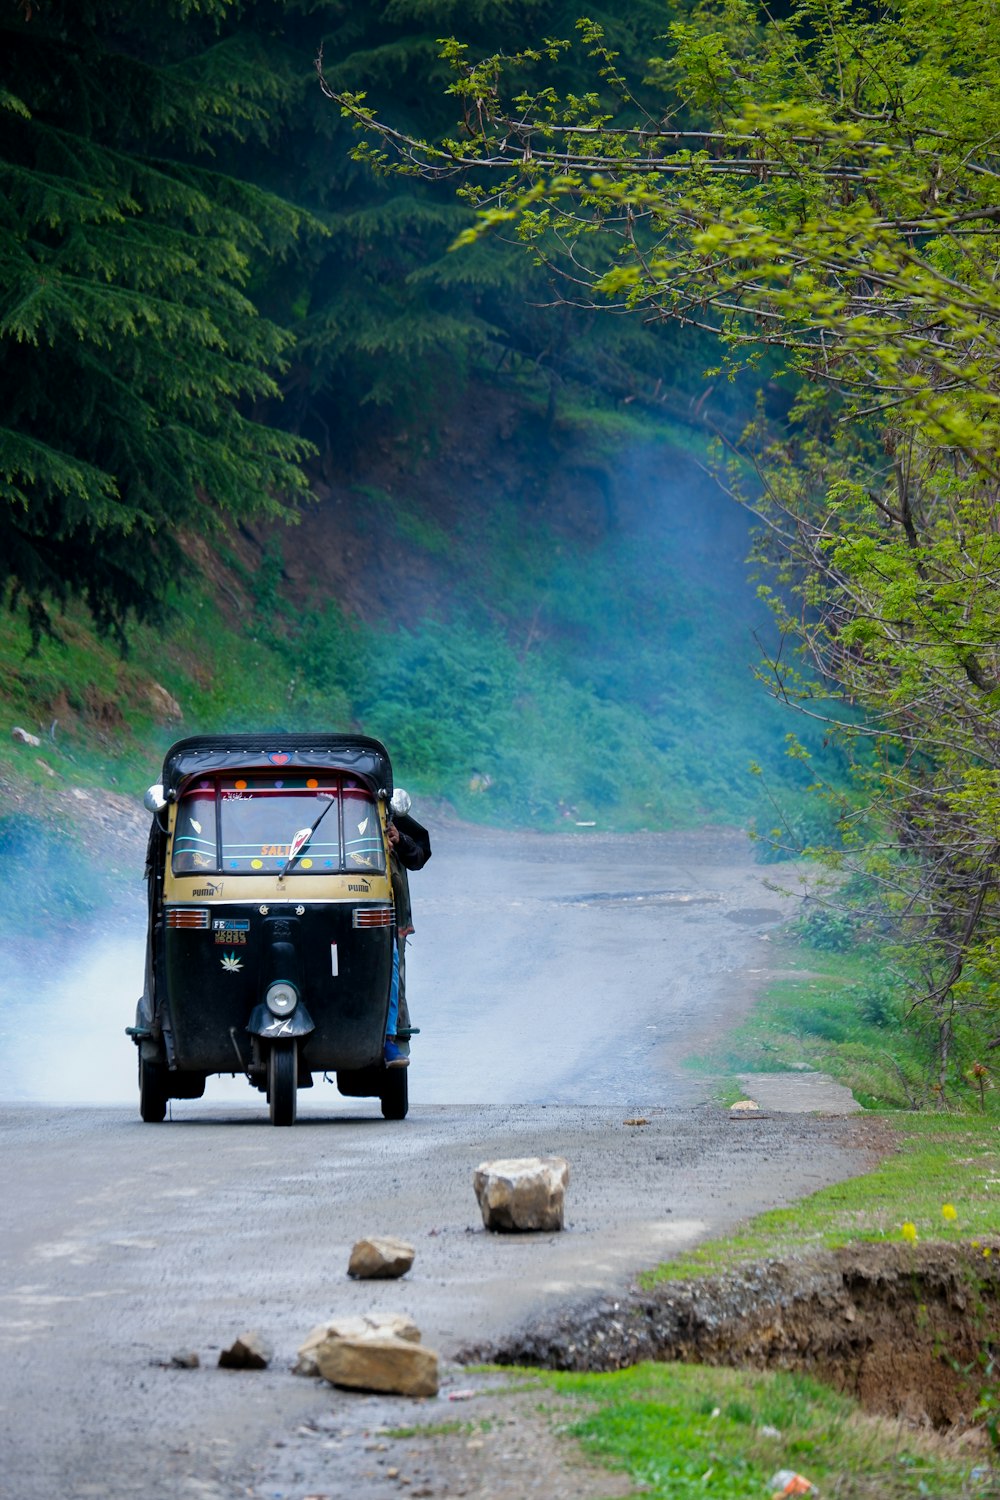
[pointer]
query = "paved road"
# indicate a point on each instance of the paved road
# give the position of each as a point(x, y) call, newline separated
point(571, 969)
point(556, 999)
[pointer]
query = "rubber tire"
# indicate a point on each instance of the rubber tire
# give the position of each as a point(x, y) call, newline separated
point(152, 1092)
point(282, 1081)
point(395, 1094)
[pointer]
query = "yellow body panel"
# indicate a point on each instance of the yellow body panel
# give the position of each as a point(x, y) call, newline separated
point(266, 888)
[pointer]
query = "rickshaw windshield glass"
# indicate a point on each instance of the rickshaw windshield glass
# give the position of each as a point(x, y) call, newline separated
point(363, 847)
point(247, 824)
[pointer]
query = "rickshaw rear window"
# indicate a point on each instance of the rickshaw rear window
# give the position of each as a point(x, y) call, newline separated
point(246, 825)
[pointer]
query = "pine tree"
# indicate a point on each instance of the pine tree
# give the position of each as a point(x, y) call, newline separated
point(390, 326)
point(133, 357)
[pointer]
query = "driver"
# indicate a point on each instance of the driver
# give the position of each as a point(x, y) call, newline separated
point(409, 849)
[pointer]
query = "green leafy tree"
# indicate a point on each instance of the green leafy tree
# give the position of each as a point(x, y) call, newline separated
point(134, 360)
point(824, 186)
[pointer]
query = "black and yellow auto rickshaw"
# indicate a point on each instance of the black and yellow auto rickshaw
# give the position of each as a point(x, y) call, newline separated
point(271, 921)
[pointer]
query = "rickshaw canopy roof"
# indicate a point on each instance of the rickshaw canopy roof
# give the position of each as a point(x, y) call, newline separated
point(203, 754)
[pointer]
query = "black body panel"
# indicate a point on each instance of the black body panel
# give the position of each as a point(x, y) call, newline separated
point(216, 976)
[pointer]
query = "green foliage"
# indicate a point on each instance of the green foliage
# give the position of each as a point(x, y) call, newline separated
point(684, 1431)
point(938, 1160)
point(562, 680)
point(173, 326)
point(394, 319)
point(853, 1010)
point(132, 355)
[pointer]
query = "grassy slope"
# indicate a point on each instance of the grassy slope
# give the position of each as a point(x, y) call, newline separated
point(680, 1432)
point(543, 626)
point(850, 1014)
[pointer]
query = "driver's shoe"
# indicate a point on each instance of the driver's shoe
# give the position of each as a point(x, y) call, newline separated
point(394, 1056)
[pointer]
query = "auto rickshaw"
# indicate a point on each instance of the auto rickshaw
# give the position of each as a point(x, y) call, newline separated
point(271, 921)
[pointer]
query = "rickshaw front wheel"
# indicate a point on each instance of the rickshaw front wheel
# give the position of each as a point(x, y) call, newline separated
point(152, 1092)
point(282, 1082)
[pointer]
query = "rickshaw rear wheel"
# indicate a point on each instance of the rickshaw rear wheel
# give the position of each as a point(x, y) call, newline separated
point(152, 1092)
point(394, 1095)
point(282, 1082)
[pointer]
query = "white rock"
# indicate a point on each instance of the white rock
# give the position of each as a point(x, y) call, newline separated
point(367, 1325)
point(163, 704)
point(380, 1257)
point(17, 733)
point(519, 1193)
point(380, 1362)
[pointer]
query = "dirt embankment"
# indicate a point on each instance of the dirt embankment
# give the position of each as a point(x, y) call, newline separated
point(908, 1330)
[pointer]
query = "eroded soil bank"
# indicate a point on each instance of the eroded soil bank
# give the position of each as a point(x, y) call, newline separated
point(905, 1329)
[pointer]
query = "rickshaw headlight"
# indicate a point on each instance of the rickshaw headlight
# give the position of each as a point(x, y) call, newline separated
point(281, 998)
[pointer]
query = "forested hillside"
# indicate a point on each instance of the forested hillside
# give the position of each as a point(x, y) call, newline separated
point(504, 554)
point(202, 289)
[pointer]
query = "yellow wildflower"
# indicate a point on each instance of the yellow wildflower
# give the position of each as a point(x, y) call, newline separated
point(910, 1232)
point(948, 1211)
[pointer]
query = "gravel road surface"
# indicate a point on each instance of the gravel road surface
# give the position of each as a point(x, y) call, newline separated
point(557, 983)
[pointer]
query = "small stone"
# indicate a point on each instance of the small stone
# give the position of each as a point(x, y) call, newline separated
point(380, 1258)
point(185, 1360)
point(743, 1106)
point(163, 704)
point(249, 1352)
point(381, 1363)
point(365, 1326)
point(23, 736)
point(519, 1193)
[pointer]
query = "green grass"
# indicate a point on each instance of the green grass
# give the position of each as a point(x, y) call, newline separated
point(435, 1429)
point(850, 1014)
point(603, 432)
point(503, 727)
point(937, 1160)
point(418, 531)
point(682, 1432)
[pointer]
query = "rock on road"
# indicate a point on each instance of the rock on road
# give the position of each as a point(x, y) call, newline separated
point(557, 983)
